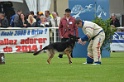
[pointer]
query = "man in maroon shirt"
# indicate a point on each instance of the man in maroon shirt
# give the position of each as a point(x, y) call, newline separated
point(67, 26)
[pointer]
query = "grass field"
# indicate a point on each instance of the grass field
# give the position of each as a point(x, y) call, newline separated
point(28, 68)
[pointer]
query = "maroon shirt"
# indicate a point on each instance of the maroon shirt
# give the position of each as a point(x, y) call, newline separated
point(67, 27)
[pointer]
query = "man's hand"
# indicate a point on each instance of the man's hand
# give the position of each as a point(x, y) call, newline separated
point(81, 42)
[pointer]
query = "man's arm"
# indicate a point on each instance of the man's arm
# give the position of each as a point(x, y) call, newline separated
point(16, 18)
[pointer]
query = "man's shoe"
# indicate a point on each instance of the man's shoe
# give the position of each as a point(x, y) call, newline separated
point(87, 63)
point(96, 63)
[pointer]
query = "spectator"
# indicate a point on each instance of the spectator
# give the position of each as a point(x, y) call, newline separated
point(22, 21)
point(39, 14)
point(31, 21)
point(32, 13)
point(67, 26)
point(3, 21)
point(43, 22)
point(55, 21)
point(114, 21)
point(47, 15)
point(16, 18)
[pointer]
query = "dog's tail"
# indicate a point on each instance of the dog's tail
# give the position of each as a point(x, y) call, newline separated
point(36, 53)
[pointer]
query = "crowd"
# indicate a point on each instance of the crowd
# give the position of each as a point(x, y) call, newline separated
point(30, 20)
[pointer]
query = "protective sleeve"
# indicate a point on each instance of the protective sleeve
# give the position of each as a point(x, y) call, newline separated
point(85, 38)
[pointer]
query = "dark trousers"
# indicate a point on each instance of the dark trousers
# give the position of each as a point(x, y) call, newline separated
point(64, 40)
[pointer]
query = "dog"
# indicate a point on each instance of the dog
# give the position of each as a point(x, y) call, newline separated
point(63, 47)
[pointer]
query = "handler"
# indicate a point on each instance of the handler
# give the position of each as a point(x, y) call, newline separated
point(95, 35)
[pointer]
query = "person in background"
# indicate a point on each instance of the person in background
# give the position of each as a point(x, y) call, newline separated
point(3, 21)
point(31, 21)
point(32, 13)
point(43, 22)
point(114, 21)
point(39, 14)
point(55, 21)
point(22, 21)
point(16, 18)
point(67, 26)
point(47, 15)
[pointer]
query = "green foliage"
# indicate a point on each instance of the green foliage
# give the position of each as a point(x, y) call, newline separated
point(108, 29)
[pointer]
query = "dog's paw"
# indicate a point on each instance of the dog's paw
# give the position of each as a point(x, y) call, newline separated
point(70, 62)
point(48, 61)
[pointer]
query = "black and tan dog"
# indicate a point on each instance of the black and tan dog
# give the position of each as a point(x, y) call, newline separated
point(63, 47)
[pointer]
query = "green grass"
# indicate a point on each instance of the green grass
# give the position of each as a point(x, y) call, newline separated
point(28, 68)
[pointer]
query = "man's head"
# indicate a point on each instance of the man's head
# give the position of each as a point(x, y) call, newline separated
point(19, 12)
point(113, 16)
point(79, 23)
point(54, 14)
point(2, 15)
point(32, 13)
point(47, 13)
point(67, 12)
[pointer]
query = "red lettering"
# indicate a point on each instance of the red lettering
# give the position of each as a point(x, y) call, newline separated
point(7, 49)
point(8, 42)
point(42, 40)
point(40, 46)
point(26, 48)
point(22, 41)
point(34, 48)
point(18, 48)
point(33, 40)
point(15, 42)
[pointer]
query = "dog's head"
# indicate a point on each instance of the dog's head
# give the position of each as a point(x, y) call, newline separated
point(73, 38)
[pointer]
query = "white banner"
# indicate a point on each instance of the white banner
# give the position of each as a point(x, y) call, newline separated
point(23, 40)
point(117, 42)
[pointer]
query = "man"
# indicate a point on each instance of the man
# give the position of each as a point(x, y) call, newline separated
point(32, 13)
point(67, 26)
point(95, 35)
point(3, 21)
point(55, 21)
point(114, 21)
point(48, 16)
point(16, 18)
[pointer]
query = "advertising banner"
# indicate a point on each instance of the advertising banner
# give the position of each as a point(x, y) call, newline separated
point(23, 40)
point(117, 42)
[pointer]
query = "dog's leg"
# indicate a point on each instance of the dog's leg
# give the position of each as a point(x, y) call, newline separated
point(68, 53)
point(51, 55)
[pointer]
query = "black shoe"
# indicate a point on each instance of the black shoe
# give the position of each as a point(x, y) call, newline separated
point(60, 56)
